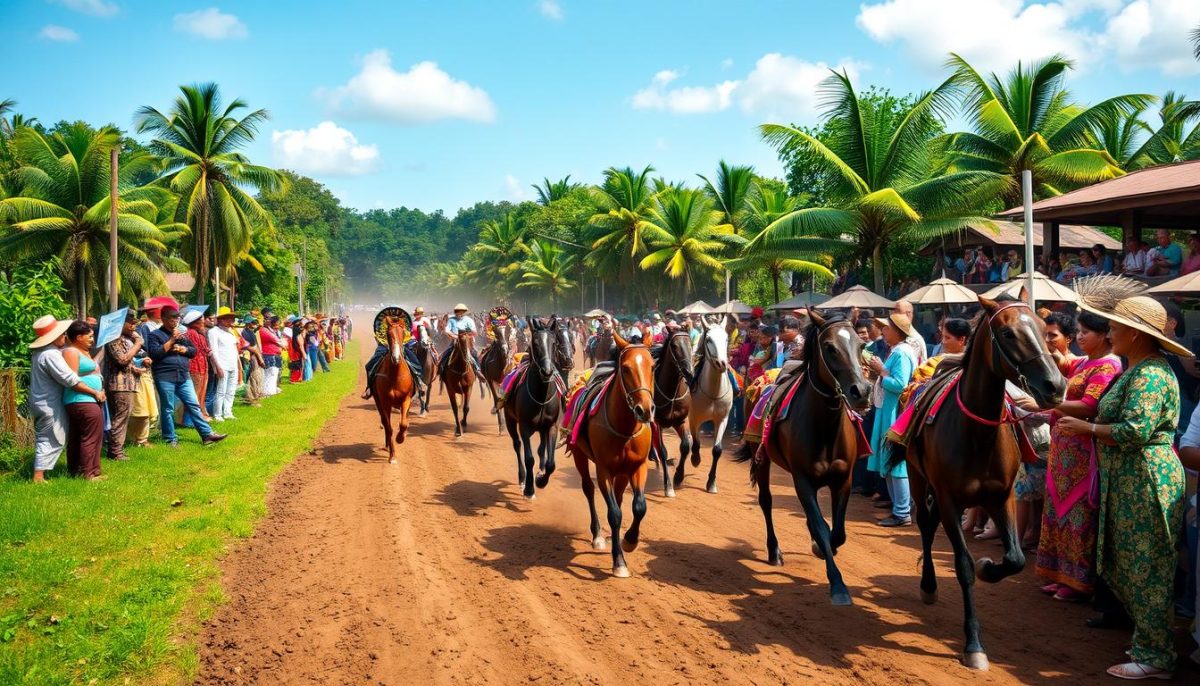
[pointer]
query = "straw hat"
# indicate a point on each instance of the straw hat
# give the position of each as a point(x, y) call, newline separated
point(419, 310)
point(1144, 314)
point(900, 321)
point(461, 308)
point(48, 329)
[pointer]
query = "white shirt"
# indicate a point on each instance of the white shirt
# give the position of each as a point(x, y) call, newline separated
point(1135, 262)
point(224, 346)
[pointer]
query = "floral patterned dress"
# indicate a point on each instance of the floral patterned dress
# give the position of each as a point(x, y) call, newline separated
point(1067, 548)
point(1141, 503)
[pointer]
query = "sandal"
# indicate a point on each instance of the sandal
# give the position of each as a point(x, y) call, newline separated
point(988, 535)
point(1136, 671)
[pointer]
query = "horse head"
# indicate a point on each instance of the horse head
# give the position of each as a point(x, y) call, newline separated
point(563, 349)
point(541, 348)
point(396, 331)
point(679, 349)
point(832, 351)
point(714, 345)
point(1018, 349)
point(635, 374)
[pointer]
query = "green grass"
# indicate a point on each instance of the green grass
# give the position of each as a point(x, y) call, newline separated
point(108, 582)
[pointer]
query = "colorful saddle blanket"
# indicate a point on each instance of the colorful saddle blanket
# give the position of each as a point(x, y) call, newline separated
point(584, 403)
point(766, 412)
point(512, 378)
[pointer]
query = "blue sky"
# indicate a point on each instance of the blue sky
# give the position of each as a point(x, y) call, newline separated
point(438, 104)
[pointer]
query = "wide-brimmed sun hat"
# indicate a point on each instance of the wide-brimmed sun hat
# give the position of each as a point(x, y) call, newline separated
point(1145, 314)
point(900, 321)
point(225, 312)
point(419, 310)
point(158, 302)
point(48, 329)
point(191, 317)
point(461, 308)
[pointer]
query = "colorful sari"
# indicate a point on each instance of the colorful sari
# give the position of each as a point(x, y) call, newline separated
point(1066, 552)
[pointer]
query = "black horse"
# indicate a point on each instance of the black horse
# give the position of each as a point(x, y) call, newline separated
point(534, 405)
point(672, 402)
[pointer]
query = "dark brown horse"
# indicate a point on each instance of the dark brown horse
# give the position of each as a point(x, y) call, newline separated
point(534, 405)
point(617, 439)
point(493, 362)
point(817, 442)
point(393, 386)
point(969, 455)
point(672, 402)
point(564, 349)
point(603, 348)
point(459, 377)
point(427, 355)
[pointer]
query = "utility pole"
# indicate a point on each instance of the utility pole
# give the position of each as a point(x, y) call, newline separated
point(216, 288)
point(113, 201)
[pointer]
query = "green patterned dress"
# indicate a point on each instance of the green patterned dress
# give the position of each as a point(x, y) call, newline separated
point(1141, 503)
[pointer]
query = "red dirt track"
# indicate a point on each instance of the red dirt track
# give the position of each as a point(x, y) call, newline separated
point(435, 570)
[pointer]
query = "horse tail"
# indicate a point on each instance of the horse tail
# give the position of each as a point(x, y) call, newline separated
point(745, 452)
point(897, 454)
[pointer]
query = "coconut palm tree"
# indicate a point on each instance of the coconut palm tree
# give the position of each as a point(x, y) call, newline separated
point(616, 234)
point(550, 191)
point(200, 142)
point(547, 270)
point(1195, 38)
point(1026, 121)
point(807, 255)
point(496, 258)
point(685, 234)
point(884, 188)
point(1175, 140)
point(62, 211)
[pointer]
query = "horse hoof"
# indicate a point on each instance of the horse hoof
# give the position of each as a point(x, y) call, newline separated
point(712, 488)
point(391, 460)
point(981, 565)
point(670, 493)
point(841, 599)
point(530, 496)
point(976, 661)
point(776, 560)
point(816, 550)
point(695, 459)
point(628, 546)
point(929, 598)
point(598, 543)
point(621, 572)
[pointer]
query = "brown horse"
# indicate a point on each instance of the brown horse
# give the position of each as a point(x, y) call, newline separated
point(817, 442)
point(393, 386)
point(533, 406)
point(968, 456)
point(427, 355)
point(459, 377)
point(672, 402)
point(617, 439)
point(493, 362)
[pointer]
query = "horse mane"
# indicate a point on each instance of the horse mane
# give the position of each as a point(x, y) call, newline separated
point(976, 325)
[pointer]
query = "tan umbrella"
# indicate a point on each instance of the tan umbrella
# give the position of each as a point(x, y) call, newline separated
point(857, 296)
point(698, 307)
point(799, 300)
point(1044, 289)
point(733, 307)
point(595, 313)
point(942, 291)
point(1184, 285)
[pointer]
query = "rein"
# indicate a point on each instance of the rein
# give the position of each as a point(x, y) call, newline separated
point(836, 394)
point(1006, 416)
point(629, 395)
point(704, 340)
point(683, 376)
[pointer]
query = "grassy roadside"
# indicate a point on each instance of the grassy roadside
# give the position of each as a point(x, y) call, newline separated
point(98, 581)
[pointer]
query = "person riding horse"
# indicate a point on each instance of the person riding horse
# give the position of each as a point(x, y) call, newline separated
point(461, 322)
point(410, 355)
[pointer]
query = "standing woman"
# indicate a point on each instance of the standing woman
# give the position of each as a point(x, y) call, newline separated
point(296, 362)
point(894, 376)
point(1066, 555)
point(1142, 482)
point(271, 355)
point(85, 433)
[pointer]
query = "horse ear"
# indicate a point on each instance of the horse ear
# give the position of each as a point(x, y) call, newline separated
point(1024, 295)
point(618, 340)
point(989, 304)
point(816, 317)
point(704, 323)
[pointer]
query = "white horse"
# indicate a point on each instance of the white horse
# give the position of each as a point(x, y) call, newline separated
point(712, 397)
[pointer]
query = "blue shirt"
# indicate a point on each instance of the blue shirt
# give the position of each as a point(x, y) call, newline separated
point(169, 365)
point(456, 325)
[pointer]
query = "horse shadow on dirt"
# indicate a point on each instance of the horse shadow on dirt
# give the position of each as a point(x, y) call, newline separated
point(523, 547)
point(475, 498)
point(353, 452)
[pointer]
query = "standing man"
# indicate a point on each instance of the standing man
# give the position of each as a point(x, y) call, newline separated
point(202, 363)
point(172, 352)
point(48, 376)
point(224, 344)
point(914, 337)
point(272, 354)
point(121, 384)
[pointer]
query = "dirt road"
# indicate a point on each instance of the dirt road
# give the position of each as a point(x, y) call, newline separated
point(435, 570)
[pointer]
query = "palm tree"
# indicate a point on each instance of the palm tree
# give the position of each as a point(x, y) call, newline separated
point(550, 191)
point(685, 233)
point(63, 211)
point(1173, 141)
point(6, 106)
point(1026, 121)
point(199, 142)
point(547, 270)
point(763, 209)
point(881, 166)
point(734, 186)
point(1195, 37)
point(496, 258)
point(623, 200)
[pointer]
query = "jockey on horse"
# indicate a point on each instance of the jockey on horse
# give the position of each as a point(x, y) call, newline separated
point(410, 354)
point(460, 322)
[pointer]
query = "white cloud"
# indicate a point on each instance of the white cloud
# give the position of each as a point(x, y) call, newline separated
point(327, 150)
point(779, 86)
point(96, 8)
point(60, 34)
point(422, 94)
point(993, 35)
point(1154, 33)
point(211, 23)
point(551, 9)
point(514, 190)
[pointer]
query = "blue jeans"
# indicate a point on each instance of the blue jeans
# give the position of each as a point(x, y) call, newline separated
point(901, 501)
point(169, 391)
point(737, 414)
point(309, 365)
point(322, 360)
point(210, 394)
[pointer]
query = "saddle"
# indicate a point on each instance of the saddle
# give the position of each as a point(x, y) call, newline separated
point(586, 401)
point(925, 400)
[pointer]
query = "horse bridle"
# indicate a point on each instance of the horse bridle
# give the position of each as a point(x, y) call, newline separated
point(836, 394)
point(465, 356)
point(629, 396)
point(704, 341)
point(547, 379)
point(1005, 358)
point(683, 375)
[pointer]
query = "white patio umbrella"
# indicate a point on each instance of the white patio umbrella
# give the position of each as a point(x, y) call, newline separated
point(805, 299)
point(942, 291)
point(1184, 285)
point(734, 307)
point(1044, 288)
point(698, 307)
point(857, 296)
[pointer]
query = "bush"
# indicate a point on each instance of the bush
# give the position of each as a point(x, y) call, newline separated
point(13, 456)
point(27, 293)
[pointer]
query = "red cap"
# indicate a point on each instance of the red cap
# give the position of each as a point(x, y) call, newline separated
point(756, 312)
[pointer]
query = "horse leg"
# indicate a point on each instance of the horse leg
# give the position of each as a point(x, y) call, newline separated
point(927, 522)
point(964, 568)
point(685, 441)
point(695, 429)
point(762, 477)
point(385, 418)
point(549, 443)
point(526, 434)
point(607, 489)
point(516, 442)
point(466, 407)
point(402, 432)
point(589, 492)
point(819, 530)
point(660, 456)
point(638, 481)
point(839, 498)
point(680, 469)
point(718, 435)
point(454, 410)
point(1013, 562)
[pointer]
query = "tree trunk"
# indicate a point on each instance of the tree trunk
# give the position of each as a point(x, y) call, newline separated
point(877, 264)
point(775, 282)
point(200, 263)
point(81, 291)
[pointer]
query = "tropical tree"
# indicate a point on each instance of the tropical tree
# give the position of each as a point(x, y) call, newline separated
point(200, 142)
point(882, 165)
point(496, 259)
point(807, 255)
point(1175, 140)
point(62, 212)
point(623, 200)
point(1195, 38)
point(550, 191)
point(548, 270)
point(1027, 121)
point(685, 234)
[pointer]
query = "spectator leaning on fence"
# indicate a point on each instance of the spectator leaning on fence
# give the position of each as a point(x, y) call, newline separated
point(49, 375)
